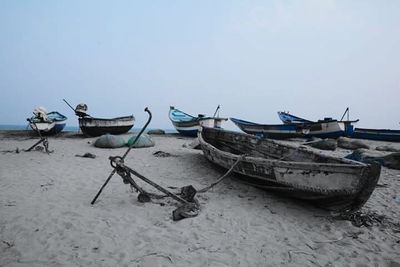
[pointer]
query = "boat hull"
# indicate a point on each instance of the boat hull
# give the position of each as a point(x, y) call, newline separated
point(349, 131)
point(331, 183)
point(376, 134)
point(93, 127)
point(45, 128)
point(322, 129)
point(189, 125)
point(55, 124)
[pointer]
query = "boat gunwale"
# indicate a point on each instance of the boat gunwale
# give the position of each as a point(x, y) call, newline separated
point(306, 124)
point(194, 119)
point(123, 118)
point(346, 162)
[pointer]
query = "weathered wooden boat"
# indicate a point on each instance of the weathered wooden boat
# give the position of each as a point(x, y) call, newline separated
point(47, 123)
point(189, 125)
point(92, 127)
point(323, 129)
point(349, 129)
point(332, 183)
point(98, 126)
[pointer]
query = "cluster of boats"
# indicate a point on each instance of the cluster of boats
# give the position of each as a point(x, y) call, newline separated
point(291, 127)
point(53, 122)
point(333, 183)
point(50, 123)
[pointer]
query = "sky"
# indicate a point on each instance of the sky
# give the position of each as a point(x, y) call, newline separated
point(312, 58)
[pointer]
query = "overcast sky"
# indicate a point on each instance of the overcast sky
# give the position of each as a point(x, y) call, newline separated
point(254, 58)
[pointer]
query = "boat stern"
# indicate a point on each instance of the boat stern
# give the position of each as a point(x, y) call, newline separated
point(370, 178)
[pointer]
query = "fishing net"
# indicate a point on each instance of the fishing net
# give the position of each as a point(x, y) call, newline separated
point(109, 141)
point(143, 141)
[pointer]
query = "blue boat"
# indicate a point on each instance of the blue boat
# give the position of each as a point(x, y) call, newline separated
point(287, 118)
point(189, 125)
point(47, 123)
point(349, 129)
point(59, 119)
point(322, 129)
point(373, 134)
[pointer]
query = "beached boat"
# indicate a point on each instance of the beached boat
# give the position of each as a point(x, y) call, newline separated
point(332, 183)
point(373, 134)
point(47, 123)
point(98, 126)
point(91, 126)
point(323, 129)
point(349, 129)
point(189, 125)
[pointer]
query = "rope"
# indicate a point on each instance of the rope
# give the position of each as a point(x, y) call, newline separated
point(205, 189)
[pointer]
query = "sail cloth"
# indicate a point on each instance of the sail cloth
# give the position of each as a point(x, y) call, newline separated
point(115, 141)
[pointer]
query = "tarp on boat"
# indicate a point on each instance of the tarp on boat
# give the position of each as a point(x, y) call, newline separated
point(143, 141)
point(109, 141)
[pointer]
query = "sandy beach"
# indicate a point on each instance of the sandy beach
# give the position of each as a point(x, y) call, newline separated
point(46, 218)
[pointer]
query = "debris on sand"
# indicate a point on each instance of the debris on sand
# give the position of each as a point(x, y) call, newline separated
point(87, 155)
point(162, 154)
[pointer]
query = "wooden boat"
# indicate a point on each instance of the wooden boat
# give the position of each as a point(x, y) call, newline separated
point(323, 129)
point(47, 123)
point(91, 126)
point(98, 126)
point(332, 183)
point(189, 125)
point(349, 129)
point(373, 134)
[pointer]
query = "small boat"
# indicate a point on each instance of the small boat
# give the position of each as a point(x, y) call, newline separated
point(332, 183)
point(93, 127)
point(349, 129)
point(323, 129)
point(374, 134)
point(98, 126)
point(189, 125)
point(47, 123)
point(370, 134)
point(59, 119)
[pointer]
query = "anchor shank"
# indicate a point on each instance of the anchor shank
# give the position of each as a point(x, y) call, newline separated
point(165, 191)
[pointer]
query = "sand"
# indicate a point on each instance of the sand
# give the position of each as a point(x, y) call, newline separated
point(46, 218)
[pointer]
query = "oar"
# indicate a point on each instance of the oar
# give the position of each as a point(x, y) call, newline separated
point(123, 157)
point(215, 113)
point(69, 105)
